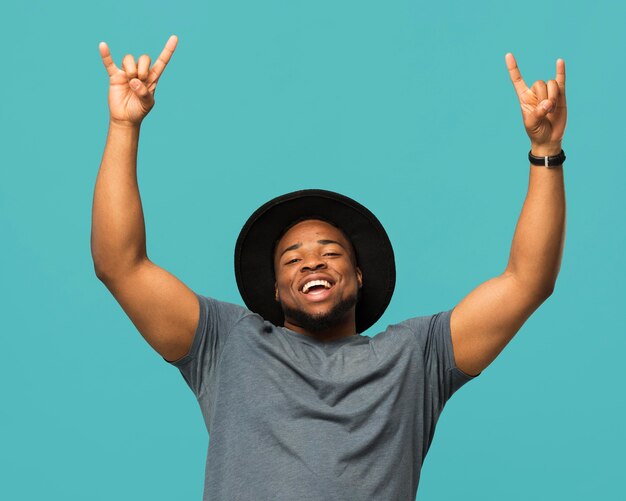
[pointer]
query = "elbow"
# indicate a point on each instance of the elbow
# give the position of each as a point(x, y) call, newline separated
point(545, 292)
point(97, 257)
point(100, 273)
point(98, 267)
point(103, 269)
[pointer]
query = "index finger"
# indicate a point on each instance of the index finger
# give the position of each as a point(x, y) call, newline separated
point(163, 59)
point(107, 60)
point(516, 76)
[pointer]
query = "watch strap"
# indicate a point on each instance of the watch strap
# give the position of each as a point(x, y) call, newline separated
point(553, 161)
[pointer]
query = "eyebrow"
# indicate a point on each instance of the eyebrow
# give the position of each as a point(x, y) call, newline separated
point(322, 242)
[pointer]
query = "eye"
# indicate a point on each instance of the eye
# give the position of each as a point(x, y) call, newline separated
point(332, 254)
point(291, 261)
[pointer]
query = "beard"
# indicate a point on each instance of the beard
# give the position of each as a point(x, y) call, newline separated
point(322, 321)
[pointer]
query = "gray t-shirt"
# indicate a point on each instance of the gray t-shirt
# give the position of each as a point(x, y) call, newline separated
point(293, 418)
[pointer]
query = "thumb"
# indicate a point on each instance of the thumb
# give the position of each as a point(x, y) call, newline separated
point(140, 90)
point(543, 108)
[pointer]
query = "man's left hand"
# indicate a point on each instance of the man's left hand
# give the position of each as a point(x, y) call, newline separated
point(544, 109)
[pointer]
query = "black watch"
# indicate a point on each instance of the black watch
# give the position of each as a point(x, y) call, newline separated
point(554, 161)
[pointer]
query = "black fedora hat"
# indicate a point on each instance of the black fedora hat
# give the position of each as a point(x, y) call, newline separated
point(254, 259)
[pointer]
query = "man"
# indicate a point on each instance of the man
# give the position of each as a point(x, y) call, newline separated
point(298, 404)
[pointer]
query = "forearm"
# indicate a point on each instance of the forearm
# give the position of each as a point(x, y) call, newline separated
point(118, 238)
point(539, 237)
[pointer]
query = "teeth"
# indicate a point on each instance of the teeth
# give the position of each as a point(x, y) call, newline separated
point(312, 283)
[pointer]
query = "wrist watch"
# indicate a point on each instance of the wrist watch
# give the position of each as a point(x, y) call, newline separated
point(553, 161)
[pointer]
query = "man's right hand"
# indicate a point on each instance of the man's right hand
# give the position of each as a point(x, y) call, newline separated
point(131, 89)
point(164, 310)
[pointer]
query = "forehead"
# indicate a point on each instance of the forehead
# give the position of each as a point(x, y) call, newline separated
point(312, 229)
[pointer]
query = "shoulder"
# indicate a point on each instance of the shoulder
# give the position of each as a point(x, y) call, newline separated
point(422, 322)
point(223, 307)
point(419, 328)
point(221, 315)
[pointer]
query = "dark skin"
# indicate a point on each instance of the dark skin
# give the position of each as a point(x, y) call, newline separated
point(166, 311)
point(311, 252)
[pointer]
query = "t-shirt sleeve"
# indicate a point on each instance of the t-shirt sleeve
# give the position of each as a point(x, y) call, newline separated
point(216, 320)
point(435, 342)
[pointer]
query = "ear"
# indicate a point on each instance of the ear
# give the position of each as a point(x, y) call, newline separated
point(359, 276)
point(276, 296)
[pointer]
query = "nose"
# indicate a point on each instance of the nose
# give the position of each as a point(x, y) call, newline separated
point(312, 262)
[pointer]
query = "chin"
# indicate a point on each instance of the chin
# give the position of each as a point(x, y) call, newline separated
point(319, 322)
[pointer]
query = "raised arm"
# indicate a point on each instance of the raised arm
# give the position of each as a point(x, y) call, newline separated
point(163, 309)
point(487, 318)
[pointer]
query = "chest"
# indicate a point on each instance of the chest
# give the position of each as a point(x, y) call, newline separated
point(276, 377)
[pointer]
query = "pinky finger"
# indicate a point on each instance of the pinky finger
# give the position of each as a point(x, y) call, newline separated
point(560, 74)
point(163, 59)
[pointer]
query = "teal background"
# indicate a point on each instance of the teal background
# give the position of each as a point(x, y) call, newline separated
point(407, 107)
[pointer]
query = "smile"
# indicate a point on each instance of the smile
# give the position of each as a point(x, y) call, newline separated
point(316, 286)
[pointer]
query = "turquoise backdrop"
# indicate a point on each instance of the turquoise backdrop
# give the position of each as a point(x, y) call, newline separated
point(404, 105)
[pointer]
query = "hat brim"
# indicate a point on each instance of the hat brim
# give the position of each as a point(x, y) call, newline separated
point(254, 260)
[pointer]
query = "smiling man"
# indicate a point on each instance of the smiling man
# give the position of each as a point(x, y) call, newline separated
point(298, 402)
point(317, 280)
